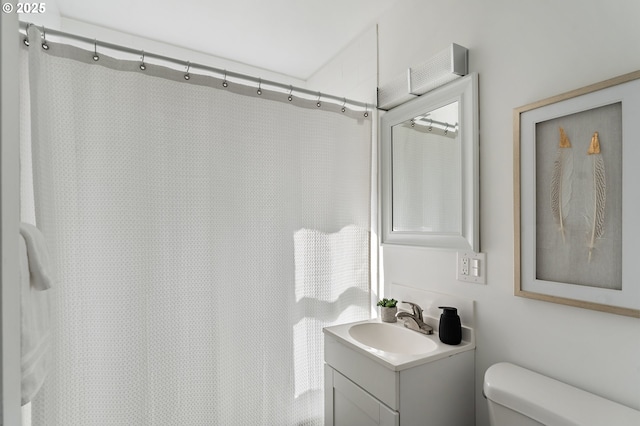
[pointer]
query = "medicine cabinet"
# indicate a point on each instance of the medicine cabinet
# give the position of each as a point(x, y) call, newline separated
point(429, 165)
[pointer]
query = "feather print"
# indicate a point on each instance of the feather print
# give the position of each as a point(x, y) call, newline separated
point(596, 221)
point(561, 183)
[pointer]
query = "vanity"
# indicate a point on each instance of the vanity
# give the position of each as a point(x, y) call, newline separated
point(384, 374)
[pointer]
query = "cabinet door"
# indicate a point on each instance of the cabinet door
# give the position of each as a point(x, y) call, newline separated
point(346, 404)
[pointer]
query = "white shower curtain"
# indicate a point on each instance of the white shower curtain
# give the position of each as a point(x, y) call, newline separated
point(202, 239)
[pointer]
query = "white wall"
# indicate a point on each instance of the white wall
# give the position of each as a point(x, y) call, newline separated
point(352, 73)
point(524, 51)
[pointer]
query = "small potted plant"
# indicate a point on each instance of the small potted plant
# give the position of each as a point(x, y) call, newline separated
point(388, 309)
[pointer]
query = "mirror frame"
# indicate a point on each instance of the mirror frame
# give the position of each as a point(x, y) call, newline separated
point(465, 91)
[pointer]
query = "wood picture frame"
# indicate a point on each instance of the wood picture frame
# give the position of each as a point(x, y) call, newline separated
point(576, 197)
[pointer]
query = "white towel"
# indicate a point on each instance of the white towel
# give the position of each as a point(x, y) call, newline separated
point(35, 277)
point(40, 266)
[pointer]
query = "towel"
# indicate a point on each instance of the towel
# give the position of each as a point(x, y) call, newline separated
point(35, 278)
point(39, 263)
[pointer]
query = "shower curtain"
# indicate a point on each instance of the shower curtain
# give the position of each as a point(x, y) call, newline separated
point(202, 238)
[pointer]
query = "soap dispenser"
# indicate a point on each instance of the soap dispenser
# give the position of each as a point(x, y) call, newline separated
point(450, 330)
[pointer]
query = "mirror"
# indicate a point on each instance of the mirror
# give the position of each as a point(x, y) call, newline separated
point(429, 169)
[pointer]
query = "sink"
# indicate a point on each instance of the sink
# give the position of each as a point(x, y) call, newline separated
point(392, 338)
point(391, 344)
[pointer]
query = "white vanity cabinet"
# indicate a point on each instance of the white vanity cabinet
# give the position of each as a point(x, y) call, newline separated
point(363, 387)
point(348, 404)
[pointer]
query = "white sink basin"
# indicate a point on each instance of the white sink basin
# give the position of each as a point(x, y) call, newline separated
point(391, 338)
point(393, 345)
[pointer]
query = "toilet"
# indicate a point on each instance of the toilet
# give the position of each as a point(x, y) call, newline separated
point(519, 397)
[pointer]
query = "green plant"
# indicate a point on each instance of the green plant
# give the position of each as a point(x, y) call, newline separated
point(387, 303)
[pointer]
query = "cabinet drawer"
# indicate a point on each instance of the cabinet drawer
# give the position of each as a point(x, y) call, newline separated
point(374, 378)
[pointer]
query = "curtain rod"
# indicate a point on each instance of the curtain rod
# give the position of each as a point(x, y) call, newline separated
point(191, 65)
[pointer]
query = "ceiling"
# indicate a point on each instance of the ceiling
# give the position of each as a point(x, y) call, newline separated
point(292, 37)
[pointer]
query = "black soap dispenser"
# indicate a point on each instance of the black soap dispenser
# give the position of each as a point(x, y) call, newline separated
point(450, 330)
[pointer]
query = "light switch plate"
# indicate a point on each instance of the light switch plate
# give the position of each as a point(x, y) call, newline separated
point(471, 267)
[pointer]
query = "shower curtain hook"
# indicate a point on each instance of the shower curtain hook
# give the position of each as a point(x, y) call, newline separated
point(366, 110)
point(186, 75)
point(95, 50)
point(142, 65)
point(45, 46)
point(290, 97)
point(318, 104)
point(224, 80)
point(26, 35)
point(446, 128)
point(344, 105)
point(259, 92)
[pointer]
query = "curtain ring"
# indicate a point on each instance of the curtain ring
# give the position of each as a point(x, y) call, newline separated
point(344, 105)
point(290, 97)
point(45, 46)
point(259, 92)
point(142, 64)
point(186, 74)
point(95, 50)
point(224, 80)
point(318, 104)
point(26, 35)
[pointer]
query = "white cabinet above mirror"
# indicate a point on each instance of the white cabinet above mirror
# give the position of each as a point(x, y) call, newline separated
point(429, 167)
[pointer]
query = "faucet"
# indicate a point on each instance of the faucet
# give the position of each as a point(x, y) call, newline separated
point(414, 321)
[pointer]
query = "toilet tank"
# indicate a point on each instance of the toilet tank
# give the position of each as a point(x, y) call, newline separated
point(517, 396)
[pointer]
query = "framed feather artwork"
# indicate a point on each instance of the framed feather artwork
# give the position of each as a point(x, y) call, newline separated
point(577, 197)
